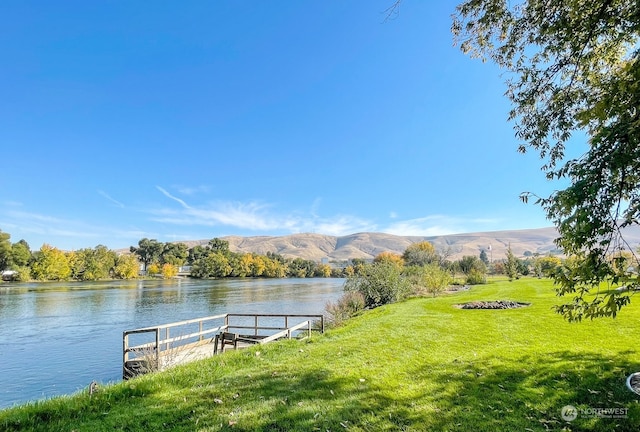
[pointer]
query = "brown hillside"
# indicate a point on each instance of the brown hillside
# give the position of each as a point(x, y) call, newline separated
point(367, 245)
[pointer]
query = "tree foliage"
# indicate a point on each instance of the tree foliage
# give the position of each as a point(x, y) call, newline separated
point(573, 65)
point(420, 254)
point(5, 251)
point(126, 266)
point(92, 264)
point(389, 257)
point(148, 251)
point(175, 254)
point(214, 265)
point(431, 278)
point(20, 254)
point(511, 264)
point(483, 257)
point(379, 284)
point(50, 264)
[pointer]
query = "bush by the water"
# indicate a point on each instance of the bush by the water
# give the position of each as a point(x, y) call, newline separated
point(347, 306)
point(379, 284)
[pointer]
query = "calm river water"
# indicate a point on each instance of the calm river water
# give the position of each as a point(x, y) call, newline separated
point(55, 338)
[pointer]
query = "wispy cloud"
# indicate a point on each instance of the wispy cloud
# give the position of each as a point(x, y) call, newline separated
point(238, 215)
point(193, 190)
point(257, 216)
point(168, 195)
point(337, 225)
point(435, 225)
point(114, 201)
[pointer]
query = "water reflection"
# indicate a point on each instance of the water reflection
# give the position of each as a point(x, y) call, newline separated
point(55, 338)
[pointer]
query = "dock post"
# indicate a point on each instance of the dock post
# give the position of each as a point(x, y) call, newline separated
point(167, 346)
point(157, 349)
point(125, 354)
point(255, 325)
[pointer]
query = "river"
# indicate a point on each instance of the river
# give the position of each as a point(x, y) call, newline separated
point(55, 338)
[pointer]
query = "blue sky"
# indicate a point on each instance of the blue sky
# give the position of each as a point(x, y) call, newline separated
point(200, 119)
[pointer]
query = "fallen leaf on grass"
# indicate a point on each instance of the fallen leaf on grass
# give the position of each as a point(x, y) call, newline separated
point(218, 401)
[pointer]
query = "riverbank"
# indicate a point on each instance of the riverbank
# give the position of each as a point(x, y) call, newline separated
point(57, 338)
point(419, 365)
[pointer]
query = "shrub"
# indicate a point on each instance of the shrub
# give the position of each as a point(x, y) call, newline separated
point(476, 277)
point(169, 271)
point(379, 284)
point(347, 306)
point(153, 269)
point(431, 278)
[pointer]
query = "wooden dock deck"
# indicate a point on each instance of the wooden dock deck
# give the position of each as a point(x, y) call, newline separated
point(160, 347)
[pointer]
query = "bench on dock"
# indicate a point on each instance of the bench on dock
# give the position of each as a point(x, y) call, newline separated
point(156, 348)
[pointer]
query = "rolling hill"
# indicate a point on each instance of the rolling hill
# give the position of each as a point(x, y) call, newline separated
point(367, 245)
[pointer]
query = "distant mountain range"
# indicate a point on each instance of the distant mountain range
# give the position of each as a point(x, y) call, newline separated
point(367, 245)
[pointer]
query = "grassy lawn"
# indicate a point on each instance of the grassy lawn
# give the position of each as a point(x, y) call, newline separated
point(414, 366)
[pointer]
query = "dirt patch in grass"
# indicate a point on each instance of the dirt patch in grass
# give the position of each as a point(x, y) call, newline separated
point(495, 304)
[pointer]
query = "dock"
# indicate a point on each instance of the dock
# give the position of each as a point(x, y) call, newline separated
point(157, 348)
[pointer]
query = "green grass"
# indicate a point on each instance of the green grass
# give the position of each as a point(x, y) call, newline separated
point(414, 366)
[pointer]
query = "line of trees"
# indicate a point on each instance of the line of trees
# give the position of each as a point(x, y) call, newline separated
point(154, 258)
point(216, 260)
point(420, 263)
point(49, 263)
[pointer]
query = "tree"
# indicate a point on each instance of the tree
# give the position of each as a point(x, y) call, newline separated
point(197, 252)
point(219, 245)
point(148, 251)
point(92, 264)
point(243, 268)
point(50, 264)
point(389, 257)
point(473, 268)
point(483, 257)
point(20, 253)
point(274, 268)
point(257, 265)
point(213, 265)
point(468, 263)
point(169, 271)
point(421, 253)
point(323, 270)
point(126, 266)
point(175, 254)
point(301, 268)
point(5, 251)
point(511, 265)
point(574, 65)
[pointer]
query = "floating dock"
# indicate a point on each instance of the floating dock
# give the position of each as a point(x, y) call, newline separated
point(157, 348)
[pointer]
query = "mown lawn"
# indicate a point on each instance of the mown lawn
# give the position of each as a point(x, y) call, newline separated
point(415, 366)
